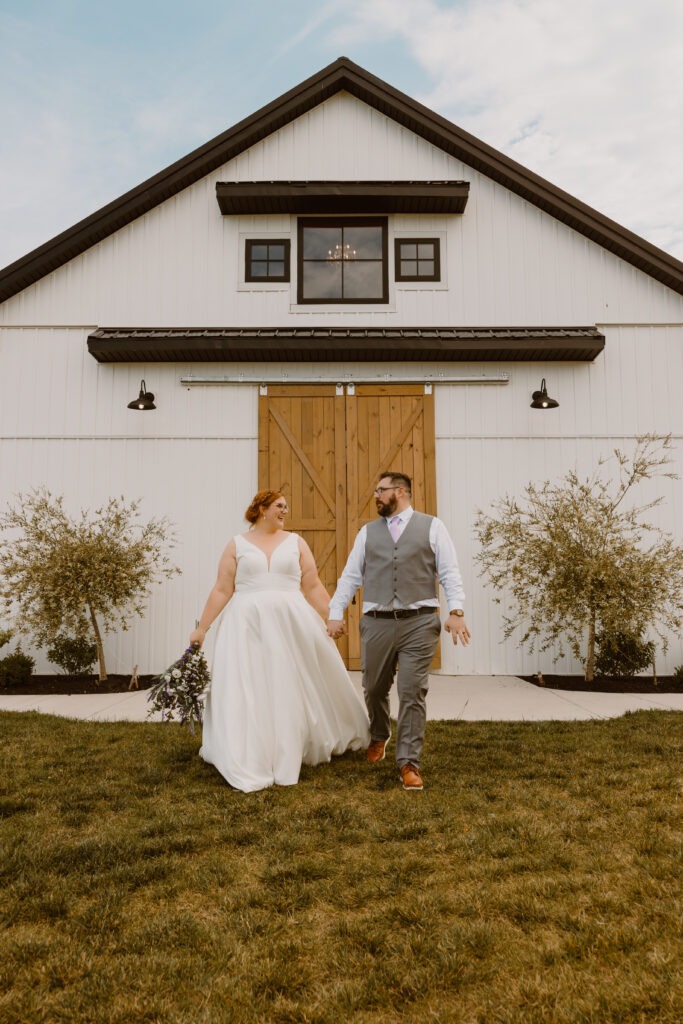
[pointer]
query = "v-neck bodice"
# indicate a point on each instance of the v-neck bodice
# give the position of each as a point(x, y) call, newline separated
point(257, 571)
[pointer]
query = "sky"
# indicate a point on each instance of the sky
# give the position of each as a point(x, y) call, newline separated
point(96, 97)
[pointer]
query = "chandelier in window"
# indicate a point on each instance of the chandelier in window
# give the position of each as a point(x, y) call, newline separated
point(341, 252)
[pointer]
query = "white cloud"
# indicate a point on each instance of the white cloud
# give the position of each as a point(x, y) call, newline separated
point(588, 95)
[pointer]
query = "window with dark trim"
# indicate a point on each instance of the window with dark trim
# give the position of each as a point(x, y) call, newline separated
point(417, 259)
point(267, 259)
point(342, 260)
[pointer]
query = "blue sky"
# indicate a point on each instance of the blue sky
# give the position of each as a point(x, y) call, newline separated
point(96, 97)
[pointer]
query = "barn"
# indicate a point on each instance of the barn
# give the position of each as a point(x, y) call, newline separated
point(342, 282)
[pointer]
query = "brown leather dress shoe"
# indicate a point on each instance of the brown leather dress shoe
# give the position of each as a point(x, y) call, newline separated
point(377, 751)
point(410, 777)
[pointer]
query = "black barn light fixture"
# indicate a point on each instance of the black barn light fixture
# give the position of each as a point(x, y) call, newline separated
point(144, 401)
point(541, 400)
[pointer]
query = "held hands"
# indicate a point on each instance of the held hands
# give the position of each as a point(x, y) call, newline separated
point(457, 627)
point(335, 628)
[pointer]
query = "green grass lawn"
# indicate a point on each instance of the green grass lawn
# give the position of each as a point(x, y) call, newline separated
point(536, 879)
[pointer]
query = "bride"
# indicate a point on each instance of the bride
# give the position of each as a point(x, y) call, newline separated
point(280, 695)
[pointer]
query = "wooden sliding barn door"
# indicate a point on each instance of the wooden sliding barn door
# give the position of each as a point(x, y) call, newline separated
point(301, 452)
point(325, 446)
point(388, 426)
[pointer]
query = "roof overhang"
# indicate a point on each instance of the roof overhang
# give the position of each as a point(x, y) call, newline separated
point(344, 344)
point(254, 197)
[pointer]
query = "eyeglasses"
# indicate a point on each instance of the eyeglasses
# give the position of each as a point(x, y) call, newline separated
point(283, 508)
point(381, 490)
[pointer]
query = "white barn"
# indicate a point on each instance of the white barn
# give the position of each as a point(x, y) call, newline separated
point(342, 282)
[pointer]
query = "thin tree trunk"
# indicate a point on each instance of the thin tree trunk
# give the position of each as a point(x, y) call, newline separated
point(100, 648)
point(590, 650)
point(654, 672)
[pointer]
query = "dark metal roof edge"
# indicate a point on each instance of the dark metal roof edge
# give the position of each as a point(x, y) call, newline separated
point(345, 183)
point(335, 196)
point(111, 345)
point(343, 331)
point(355, 331)
point(341, 75)
point(326, 354)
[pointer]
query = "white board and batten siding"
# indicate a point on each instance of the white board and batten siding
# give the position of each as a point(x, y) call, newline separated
point(64, 422)
point(508, 263)
point(194, 460)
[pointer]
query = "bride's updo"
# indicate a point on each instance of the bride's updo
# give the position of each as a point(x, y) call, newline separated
point(262, 499)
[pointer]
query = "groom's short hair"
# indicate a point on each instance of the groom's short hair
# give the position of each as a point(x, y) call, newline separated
point(398, 480)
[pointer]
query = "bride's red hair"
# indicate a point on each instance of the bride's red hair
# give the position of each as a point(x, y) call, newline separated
point(262, 499)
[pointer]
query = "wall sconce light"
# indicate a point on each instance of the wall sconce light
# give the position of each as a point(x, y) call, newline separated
point(144, 401)
point(541, 399)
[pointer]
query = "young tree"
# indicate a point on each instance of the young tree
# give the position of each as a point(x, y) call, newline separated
point(78, 576)
point(575, 559)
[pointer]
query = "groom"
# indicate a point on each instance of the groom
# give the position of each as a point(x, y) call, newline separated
point(396, 559)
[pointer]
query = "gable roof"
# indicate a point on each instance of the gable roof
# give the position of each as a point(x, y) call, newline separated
point(341, 76)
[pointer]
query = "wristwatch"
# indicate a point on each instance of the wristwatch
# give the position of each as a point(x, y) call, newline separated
point(457, 611)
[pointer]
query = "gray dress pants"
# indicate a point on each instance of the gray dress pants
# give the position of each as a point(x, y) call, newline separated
point(408, 644)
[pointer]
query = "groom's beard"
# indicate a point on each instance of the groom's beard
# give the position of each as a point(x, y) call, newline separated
point(386, 508)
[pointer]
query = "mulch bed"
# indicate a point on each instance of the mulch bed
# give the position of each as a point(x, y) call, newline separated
point(121, 684)
point(78, 684)
point(609, 684)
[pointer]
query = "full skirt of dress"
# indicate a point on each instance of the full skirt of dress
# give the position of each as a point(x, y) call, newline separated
point(280, 694)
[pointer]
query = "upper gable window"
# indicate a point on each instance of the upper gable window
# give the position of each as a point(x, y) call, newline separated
point(417, 259)
point(267, 259)
point(343, 260)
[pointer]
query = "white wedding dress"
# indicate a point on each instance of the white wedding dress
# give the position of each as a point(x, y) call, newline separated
point(280, 695)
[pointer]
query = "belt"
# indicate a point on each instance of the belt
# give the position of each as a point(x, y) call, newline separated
point(402, 613)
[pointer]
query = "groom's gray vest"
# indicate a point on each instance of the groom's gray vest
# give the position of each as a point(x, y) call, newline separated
point(405, 571)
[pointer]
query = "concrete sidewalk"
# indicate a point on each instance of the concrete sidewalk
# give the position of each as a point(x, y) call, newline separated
point(469, 698)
